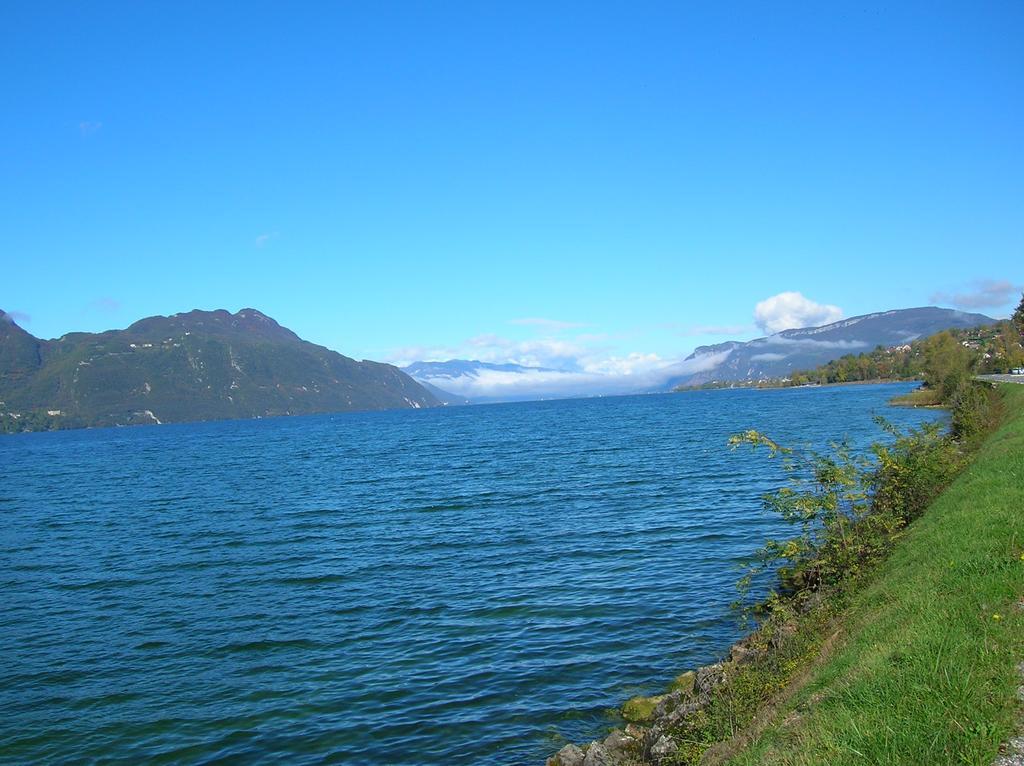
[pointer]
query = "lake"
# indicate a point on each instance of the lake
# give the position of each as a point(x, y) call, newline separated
point(441, 586)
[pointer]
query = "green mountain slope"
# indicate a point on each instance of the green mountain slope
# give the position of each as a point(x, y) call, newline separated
point(201, 365)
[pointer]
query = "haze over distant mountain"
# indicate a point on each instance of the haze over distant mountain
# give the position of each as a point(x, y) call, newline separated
point(443, 396)
point(791, 350)
point(450, 380)
point(200, 365)
point(769, 357)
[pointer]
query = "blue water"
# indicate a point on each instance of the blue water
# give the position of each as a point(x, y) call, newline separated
point(417, 587)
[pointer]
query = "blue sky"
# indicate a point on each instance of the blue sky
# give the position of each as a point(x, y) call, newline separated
point(594, 185)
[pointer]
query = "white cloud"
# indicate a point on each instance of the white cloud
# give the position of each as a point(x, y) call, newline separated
point(551, 353)
point(983, 294)
point(498, 384)
point(700, 363)
point(769, 357)
point(540, 352)
point(264, 239)
point(634, 364)
point(87, 128)
point(810, 343)
point(791, 310)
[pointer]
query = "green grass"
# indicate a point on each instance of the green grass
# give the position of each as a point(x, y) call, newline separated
point(920, 397)
point(924, 671)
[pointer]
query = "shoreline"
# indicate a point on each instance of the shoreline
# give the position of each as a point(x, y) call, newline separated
point(764, 670)
point(786, 386)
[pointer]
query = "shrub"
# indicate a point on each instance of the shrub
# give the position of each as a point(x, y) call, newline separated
point(849, 509)
point(976, 409)
point(912, 470)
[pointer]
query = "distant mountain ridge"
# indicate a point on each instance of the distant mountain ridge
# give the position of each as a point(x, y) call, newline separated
point(774, 356)
point(198, 365)
point(777, 355)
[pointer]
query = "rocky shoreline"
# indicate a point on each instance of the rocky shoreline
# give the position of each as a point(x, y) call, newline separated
point(656, 726)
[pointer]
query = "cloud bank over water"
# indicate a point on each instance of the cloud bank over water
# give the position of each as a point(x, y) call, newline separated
point(563, 360)
point(635, 373)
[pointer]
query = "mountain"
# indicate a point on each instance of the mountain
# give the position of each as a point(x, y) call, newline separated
point(473, 377)
point(200, 365)
point(443, 396)
point(790, 350)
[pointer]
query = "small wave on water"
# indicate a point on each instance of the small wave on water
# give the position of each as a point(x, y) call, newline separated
point(423, 587)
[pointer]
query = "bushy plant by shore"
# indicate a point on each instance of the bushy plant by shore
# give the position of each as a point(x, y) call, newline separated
point(927, 667)
point(848, 511)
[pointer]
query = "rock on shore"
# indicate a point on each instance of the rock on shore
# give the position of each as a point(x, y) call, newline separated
point(653, 722)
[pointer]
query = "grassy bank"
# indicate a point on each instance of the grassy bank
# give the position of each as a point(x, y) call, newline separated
point(922, 668)
point(897, 625)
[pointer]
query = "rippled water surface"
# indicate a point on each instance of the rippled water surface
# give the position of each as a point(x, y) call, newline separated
point(415, 587)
